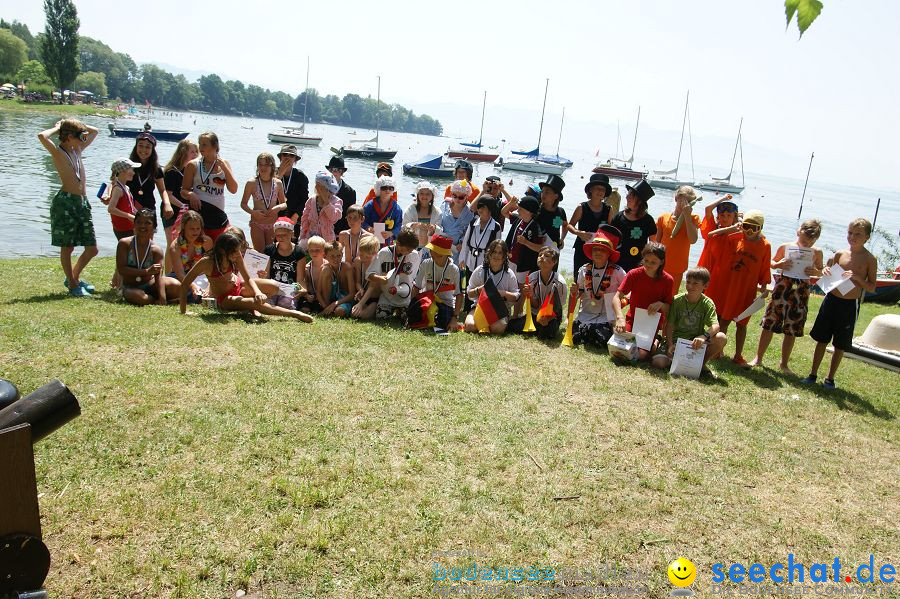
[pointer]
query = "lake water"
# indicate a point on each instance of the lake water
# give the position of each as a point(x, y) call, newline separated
point(28, 180)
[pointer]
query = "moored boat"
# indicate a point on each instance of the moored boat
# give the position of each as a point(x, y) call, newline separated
point(619, 171)
point(159, 134)
point(290, 135)
point(430, 167)
point(368, 148)
point(532, 165)
point(473, 155)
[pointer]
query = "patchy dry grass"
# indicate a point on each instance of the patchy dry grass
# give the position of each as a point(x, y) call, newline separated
point(218, 453)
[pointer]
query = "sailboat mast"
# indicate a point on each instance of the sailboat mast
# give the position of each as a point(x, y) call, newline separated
point(803, 196)
point(305, 96)
point(541, 129)
point(634, 143)
point(681, 141)
point(736, 142)
point(481, 132)
point(377, 111)
point(561, 121)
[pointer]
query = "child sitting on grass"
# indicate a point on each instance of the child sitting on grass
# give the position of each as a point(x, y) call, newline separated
point(542, 284)
point(222, 267)
point(693, 316)
point(745, 270)
point(309, 272)
point(391, 275)
point(650, 288)
point(336, 284)
point(121, 205)
point(838, 312)
point(496, 269)
point(187, 249)
point(787, 310)
point(440, 276)
point(366, 294)
point(594, 280)
point(350, 238)
point(70, 211)
point(139, 262)
point(285, 258)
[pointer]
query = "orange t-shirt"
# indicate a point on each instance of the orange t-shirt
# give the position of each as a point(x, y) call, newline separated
point(745, 265)
point(678, 249)
point(710, 245)
point(475, 193)
point(371, 196)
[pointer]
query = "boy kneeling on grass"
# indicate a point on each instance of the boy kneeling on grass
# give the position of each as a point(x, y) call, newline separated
point(436, 291)
point(391, 274)
point(693, 316)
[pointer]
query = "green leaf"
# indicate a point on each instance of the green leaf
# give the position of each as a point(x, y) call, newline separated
point(806, 10)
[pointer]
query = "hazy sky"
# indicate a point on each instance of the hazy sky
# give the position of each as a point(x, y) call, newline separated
point(834, 92)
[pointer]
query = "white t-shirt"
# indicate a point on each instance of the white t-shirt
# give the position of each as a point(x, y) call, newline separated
point(402, 274)
point(604, 281)
point(475, 242)
point(448, 275)
point(540, 291)
point(504, 280)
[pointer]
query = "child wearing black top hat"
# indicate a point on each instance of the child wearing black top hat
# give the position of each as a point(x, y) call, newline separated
point(551, 217)
point(589, 215)
point(525, 238)
point(636, 225)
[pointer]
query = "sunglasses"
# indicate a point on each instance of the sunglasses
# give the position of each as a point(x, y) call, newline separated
point(338, 170)
point(456, 197)
point(749, 227)
point(387, 187)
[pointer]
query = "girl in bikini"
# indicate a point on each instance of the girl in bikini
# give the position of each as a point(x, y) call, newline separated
point(187, 249)
point(221, 267)
point(336, 282)
point(139, 262)
point(268, 201)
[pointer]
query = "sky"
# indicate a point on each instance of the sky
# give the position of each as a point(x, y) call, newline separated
point(833, 92)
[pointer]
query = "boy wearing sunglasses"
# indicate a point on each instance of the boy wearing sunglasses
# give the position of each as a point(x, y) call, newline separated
point(745, 271)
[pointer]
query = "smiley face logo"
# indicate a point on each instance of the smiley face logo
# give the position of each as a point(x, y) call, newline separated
point(682, 572)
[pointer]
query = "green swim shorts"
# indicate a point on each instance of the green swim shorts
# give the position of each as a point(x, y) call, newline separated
point(70, 221)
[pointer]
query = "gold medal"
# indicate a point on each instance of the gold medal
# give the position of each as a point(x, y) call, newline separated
point(140, 192)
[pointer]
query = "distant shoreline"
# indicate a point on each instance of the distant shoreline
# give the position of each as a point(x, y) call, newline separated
point(73, 109)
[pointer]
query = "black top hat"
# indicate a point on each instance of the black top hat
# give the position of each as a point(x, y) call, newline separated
point(530, 204)
point(336, 162)
point(554, 182)
point(598, 179)
point(289, 150)
point(642, 189)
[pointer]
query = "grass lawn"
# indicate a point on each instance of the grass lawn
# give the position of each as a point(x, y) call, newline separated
point(217, 453)
point(65, 109)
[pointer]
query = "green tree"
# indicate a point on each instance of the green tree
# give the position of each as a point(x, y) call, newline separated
point(215, 93)
point(97, 56)
point(32, 73)
point(154, 84)
point(20, 30)
point(92, 82)
point(13, 53)
point(236, 104)
point(60, 42)
point(283, 102)
point(353, 104)
point(313, 110)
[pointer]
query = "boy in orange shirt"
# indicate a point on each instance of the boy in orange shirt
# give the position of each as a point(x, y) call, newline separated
point(747, 259)
point(679, 246)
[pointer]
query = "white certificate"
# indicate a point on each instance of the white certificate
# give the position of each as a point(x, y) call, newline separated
point(608, 303)
point(836, 280)
point(644, 328)
point(758, 304)
point(801, 259)
point(255, 262)
point(379, 231)
point(687, 361)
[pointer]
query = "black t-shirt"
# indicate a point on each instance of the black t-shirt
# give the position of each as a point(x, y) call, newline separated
point(283, 268)
point(635, 234)
point(348, 198)
point(143, 186)
point(173, 180)
point(551, 221)
point(524, 258)
point(296, 192)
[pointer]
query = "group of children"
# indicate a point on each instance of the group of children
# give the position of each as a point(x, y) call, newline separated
point(448, 266)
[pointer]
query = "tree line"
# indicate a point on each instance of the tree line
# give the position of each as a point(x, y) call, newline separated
point(41, 62)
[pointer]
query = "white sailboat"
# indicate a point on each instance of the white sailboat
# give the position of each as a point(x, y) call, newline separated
point(368, 148)
point(532, 164)
point(620, 168)
point(669, 179)
point(293, 135)
point(724, 184)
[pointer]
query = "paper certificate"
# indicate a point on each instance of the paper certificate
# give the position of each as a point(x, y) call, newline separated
point(256, 262)
point(608, 306)
point(836, 280)
point(687, 361)
point(644, 328)
point(758, 304)
point(378, 229)
point(801, 259)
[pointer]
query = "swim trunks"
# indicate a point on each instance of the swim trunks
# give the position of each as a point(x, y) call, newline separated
point(70, 221)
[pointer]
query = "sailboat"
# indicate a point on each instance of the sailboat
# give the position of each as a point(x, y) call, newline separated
point(292, 135)
point(619, 167)
point(549, 158)
point(368, 148)
point(669, 179)
point(724, 184)
point(475, 154)
point(531, 164)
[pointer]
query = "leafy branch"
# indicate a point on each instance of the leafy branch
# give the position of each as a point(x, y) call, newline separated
point(806, 10)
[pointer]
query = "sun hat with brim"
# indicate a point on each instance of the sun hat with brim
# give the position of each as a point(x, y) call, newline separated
point(123, 164)
point(612, 232)
point(383, 181)
point(327, 179)
point(755, 217)
point(289, 150)
point(601, 240)
point(440, 244)
point(283, 222)
point(598, 179)
point(460, 186)
point(530, 204)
